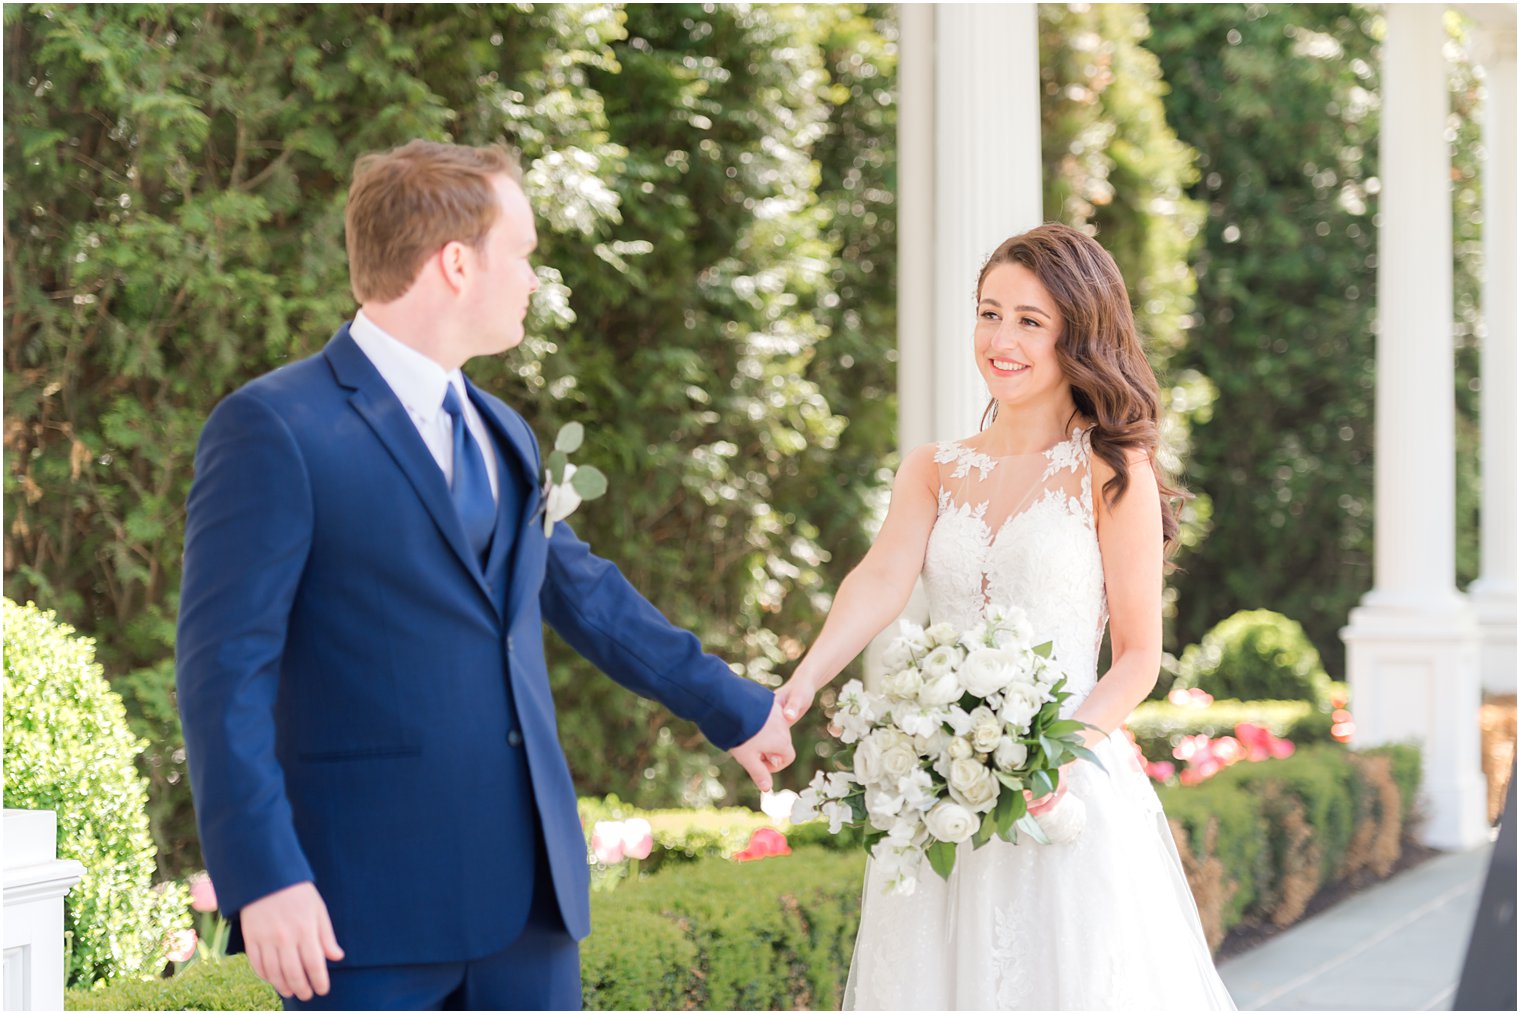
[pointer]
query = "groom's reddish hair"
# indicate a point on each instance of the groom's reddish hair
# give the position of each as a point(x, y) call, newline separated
point(406, 203)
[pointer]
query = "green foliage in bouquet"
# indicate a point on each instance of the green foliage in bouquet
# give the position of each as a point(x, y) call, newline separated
point(1256, 655)
point(68, 749)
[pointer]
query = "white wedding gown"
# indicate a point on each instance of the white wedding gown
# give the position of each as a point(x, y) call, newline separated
point(1106, 922)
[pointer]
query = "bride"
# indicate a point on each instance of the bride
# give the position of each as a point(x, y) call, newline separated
point(1057, 507)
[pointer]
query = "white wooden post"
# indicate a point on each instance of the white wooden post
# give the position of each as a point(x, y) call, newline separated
point(36, 881)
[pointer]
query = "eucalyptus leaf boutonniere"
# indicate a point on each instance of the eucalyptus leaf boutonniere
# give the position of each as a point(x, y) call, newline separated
point(566, 485)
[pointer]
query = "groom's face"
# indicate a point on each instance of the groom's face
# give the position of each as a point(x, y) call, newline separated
point(504, 282)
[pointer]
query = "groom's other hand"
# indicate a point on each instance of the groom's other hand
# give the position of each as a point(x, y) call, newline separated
point(290, 940)
point(768, 750)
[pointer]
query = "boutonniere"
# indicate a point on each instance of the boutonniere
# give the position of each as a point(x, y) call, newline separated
point(567, 485)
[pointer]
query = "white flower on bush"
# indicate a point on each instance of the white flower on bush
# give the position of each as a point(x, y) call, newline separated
point(941, 634)
point(1010, 754)
point(973, 785)
point(988, 671)
point(951, 822)
point(1021, 702)
point(903, 684)
point(986, 730)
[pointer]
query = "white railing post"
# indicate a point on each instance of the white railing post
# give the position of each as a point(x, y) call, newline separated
point(36, 881)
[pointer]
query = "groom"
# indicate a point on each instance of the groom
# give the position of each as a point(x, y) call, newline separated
point(382, 798)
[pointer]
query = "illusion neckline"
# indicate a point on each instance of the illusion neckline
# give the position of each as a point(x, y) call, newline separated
point(1076, 435)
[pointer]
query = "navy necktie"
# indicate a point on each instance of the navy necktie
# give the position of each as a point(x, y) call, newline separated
point(471, 488)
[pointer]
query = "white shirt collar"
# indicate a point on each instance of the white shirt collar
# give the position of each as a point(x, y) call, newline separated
point(417, 380)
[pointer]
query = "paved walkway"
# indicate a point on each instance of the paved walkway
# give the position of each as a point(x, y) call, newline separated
point(1396, 946)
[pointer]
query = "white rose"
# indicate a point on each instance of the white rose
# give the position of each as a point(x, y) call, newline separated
point(1010, 754)
point(972, 785)
point(1020, 705)
point(561, 501)
point(867, 763)
point(951, 822)
point(945, 689)
point(988, 670)
point(898, 757)
point(941, 633)
point(940, 662)
point(898, 655)
point(904, 683)
point(933, 744)
point(959, 749)
point(986, 730)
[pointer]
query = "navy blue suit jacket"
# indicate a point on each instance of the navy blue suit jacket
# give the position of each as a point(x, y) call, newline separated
point(367, 707)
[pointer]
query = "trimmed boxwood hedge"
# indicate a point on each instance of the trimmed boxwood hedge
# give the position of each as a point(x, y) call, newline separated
point(1256, 840)
point(1159, 725)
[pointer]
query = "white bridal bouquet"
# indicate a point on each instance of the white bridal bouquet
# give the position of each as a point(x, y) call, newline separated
point(965, 723)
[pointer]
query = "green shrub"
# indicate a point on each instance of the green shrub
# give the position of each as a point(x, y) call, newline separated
point(769, 935)
point(1158, 726)
point(68, 749)
point(1256, 655)
point(1260, 839)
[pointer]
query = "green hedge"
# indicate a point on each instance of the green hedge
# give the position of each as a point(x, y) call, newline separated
point(767, 935)
point(1256, 655)
point(1258, 840)
point(1158, 726)
point(68, 749)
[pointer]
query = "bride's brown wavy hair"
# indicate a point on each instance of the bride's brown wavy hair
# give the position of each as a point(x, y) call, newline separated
point(1099, 350)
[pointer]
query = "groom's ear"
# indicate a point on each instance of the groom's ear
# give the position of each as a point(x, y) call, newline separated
point(455, 264)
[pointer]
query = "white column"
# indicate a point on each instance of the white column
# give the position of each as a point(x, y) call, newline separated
point(968, 133)
point(1493, 594)
point(969, 178)
point(35, 884)
point(1412, 645)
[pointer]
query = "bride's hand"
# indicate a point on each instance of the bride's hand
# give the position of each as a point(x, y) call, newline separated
point(1045, 802)
point(794, 698)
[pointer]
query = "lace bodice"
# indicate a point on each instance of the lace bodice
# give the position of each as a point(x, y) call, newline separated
point(1020, 530)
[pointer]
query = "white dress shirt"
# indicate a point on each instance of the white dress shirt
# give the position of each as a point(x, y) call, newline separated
point(419, 384)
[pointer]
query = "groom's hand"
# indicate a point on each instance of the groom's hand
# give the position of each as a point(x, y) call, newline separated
point(768, 750)
point(289, 940)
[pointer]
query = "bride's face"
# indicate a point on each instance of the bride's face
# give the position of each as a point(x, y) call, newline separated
point(1017, 326)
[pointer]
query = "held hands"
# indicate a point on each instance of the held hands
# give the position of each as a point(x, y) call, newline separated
point(289, 940)
point(768, 750)
point(794, 698)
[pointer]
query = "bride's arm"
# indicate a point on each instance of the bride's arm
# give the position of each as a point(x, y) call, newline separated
point(1129, 539)
point(877, 590)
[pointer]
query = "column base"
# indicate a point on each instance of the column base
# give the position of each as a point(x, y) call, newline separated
point(1493, 603)
point(1415, 678)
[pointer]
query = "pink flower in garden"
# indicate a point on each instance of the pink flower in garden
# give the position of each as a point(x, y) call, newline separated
point(202, 893)
point(607, 841)
point(182, 944)
point(1192, 697)
point(1280, 748)
point(1191, 746)
point(1227, 750)
point(766, 841)
point(638, 838)
point(1161, 771)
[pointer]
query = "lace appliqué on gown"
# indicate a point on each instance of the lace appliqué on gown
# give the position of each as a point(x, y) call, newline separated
point(1106, 922)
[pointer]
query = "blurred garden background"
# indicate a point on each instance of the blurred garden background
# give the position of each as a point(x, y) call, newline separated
point(715, 187)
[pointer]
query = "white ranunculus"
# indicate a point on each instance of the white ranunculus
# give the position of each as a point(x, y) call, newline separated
point(941, 661)
point(951, 822)
point(986, 730)
point(940, 634)
point(972, 785)
point(988, 671)
point(1010, 754)
point(903, 684)
point(1020, 705)
point(940, 691)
